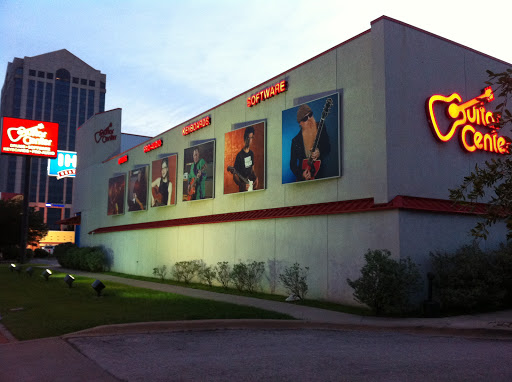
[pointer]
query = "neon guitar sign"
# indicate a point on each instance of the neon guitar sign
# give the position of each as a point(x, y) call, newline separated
point(464, 115)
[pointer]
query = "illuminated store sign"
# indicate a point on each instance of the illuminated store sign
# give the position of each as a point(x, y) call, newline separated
point(466, 115)
point(196, 125)
point(64, 165)
point(122, 159)
point(28, 137)
point(267, 93)
point(105, 135)
point(153, 146)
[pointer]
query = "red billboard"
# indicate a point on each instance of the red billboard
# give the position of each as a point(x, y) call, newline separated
point(28, 137)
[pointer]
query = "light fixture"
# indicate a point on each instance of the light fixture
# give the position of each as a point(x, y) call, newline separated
point(46, 274)
point(98, 286)
point(12, 267)
point(69, 280)
point(30, 270)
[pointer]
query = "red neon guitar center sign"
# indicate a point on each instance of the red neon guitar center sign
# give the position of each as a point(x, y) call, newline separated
point(28, 137)
point(464, 116)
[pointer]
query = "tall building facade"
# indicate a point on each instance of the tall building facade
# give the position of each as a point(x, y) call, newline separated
point(55, 87)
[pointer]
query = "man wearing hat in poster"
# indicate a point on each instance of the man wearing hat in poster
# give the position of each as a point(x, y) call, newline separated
point(305, 159)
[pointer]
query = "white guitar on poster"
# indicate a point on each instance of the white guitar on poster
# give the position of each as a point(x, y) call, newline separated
point(232, 170)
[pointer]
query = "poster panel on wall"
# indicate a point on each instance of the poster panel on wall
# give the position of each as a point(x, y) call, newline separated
point(244, 159)
point(163, 181)
point(198, 171)
point(311, 140)
point(116, 190)
point(137, 189)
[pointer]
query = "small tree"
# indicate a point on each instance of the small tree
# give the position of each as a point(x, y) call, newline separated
point(160, 272)
point(294, 279)
point(185, 270)
point(206, 273)
point(386, 285)
point(223, 273)
point(492, 182)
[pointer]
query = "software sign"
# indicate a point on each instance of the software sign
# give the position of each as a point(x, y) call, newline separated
point(64, 165)
point(28, 137)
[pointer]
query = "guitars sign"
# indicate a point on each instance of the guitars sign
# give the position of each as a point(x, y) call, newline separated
point(464, 116)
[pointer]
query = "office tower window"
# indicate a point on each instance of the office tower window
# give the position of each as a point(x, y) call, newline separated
point(81, 110)
point(49, 76)
point(92, 83)
point(102, 102)
point(39, 100)
point(83, 81)
point(75, 80)
point(48, 102)
point(32, 72)
point(18, 83)
point(40, 74)
point(11, 176)
point(90, 104)
point(33, 179)
point(19, 71)
point(55, 190)
point(53, 215)
point(69, 190)
point(30, 99)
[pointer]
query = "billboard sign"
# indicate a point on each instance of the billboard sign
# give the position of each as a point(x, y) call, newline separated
point(29, 137)
point(64, 165)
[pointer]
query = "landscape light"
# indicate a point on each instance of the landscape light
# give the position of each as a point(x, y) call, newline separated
point(46, 274)
point(69, 280)
point(12, 267)
point(30, 270)
point(98, 286)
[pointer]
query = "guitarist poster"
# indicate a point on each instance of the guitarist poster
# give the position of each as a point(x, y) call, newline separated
point(311, 140)
point(163, 181)
point(198, 176)
point(137, 189)
point(244, 159)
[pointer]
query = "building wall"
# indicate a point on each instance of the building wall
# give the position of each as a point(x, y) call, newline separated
point(383, 78)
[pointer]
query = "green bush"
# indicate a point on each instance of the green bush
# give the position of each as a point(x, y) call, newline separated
point(223, 271)
point(386, 285)
point(160, 272)
point(471, 280)
point(294, 279)
point(247, 276)
point(41, 253)
point(185, 271)
point(90, 259)
point(206, 273)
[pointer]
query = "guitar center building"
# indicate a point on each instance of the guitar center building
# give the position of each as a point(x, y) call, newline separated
point(354, 149)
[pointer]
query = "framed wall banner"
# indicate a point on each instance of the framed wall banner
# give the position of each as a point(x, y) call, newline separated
point(137, 189)
point(163, 181)
point(310, 141)
point(198, 171)
point(244, 159)
point(116, 190)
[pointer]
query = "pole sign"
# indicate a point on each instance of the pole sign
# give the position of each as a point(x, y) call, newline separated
point(64, 166)
point(28, 137)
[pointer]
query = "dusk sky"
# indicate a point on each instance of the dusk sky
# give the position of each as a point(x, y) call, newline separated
point(169, 61)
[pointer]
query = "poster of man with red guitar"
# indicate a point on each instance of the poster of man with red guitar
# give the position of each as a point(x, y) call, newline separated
point(244, 159)
point(163, 181)
point(198, 181)
point(311, 140)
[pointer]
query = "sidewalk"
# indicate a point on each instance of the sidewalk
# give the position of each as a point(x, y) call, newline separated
point(55, 359)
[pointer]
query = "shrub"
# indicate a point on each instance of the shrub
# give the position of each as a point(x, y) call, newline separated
point(247, 276)
point(160, 272)
point(41, 253)
point(386, 285)
point(294, 279)
point(185, 270)
point(223, 271)
point(91, 259)
point(206, 273)
point(471, 280)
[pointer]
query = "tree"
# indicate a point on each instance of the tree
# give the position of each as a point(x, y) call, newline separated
point(10, 221)
point(492, 181)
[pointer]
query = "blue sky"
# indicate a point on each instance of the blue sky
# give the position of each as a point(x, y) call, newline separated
point(168, 61)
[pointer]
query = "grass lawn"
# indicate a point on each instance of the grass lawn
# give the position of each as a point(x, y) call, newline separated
point(31, 307)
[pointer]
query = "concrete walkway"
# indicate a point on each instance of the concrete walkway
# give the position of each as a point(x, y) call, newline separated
point(56, 359)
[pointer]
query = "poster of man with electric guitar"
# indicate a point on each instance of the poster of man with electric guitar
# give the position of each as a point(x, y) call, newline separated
point(198, 172)
point(116, 189)
point(311, 140)
point(163, 181)
point(244, 159)
point(137, 189)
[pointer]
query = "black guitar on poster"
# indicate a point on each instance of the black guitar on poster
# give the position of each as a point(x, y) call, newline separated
point(310, 164)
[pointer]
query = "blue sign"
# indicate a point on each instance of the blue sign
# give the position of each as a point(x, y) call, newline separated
point(64, 165)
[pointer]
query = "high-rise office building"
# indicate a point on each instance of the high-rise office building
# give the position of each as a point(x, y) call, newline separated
point(55, 87)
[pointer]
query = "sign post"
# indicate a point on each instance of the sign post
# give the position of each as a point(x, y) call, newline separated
point(28, 138)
